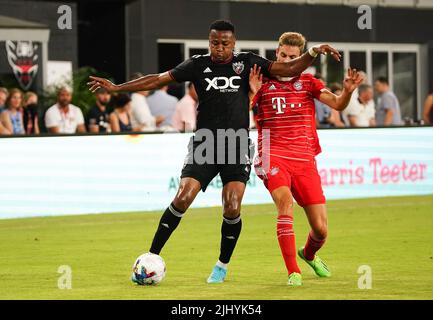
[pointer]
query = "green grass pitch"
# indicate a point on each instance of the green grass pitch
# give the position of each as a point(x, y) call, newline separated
point(394, 236)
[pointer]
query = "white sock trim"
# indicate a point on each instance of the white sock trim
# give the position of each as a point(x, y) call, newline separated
point(232, 221)
point(222, 265)
point(173, 211)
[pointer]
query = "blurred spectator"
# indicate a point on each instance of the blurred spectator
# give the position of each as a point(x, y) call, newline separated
point(3, 129)
point(14, 105)
point(324, 115)
point(98, 117)
point(141, 117)
point(185, 115)
point(3, 96)
point(388, 108)
point(120, 118)
point(327, 117)
point(30, 113)
point(427, 114)
point(336, 88)
point(161, 103)
point(5, 123)
point(353, 101)
point(361, 112)
point(336, 116)
point(64, 117)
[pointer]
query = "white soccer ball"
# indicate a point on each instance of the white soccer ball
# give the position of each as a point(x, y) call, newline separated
point(148, 269)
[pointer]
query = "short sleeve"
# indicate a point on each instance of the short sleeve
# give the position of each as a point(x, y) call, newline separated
point(184, 71)
point(388, 102)
point(317, 87)
point(51, 120)
point(352, 109)
point(265, 64)
point(80, 117)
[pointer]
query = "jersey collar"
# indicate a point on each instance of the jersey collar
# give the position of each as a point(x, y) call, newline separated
point(223, 62)
point(279, 78)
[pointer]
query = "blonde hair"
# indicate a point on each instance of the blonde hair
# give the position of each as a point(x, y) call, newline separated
point(28, 95)
point(292, 39)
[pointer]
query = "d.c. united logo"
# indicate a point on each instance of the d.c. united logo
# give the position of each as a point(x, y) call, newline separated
point(23, 59)
point(238, 67)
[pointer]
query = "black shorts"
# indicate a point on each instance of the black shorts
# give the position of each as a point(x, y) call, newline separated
point(205, 172)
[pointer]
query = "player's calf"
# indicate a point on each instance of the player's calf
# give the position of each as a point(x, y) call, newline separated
point(285, 233)
point(230, 228)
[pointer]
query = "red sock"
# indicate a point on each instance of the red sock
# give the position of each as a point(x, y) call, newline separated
point(312, 246)
point(286, 239)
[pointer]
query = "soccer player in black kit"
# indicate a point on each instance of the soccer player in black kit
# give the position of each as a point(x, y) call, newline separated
point(221, 79)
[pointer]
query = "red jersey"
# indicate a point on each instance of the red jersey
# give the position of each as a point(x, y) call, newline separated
point(287, 110)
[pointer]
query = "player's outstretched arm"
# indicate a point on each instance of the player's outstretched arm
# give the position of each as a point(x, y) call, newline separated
point(296, 66)
point(352, 81)
point(428, 104)
point(255, 81)
point(145, 83)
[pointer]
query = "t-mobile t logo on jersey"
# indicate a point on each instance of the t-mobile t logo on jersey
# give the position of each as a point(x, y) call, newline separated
point(280, 102)
point(223, 84)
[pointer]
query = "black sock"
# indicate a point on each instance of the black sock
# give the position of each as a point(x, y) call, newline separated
point(168, 223)
point(230, 231)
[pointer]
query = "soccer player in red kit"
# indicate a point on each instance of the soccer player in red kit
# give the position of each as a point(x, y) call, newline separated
point(288, 144)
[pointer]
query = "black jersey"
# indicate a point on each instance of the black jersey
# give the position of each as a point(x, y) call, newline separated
point(222, 88)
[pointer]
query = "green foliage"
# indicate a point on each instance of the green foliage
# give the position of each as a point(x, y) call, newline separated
point(81, 97)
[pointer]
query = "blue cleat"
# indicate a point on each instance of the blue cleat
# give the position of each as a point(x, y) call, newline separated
point(217, 276)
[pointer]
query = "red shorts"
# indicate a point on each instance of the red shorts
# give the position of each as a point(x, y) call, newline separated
point(301, 177)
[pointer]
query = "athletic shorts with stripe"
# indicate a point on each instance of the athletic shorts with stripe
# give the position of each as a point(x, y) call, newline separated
point(301, 177)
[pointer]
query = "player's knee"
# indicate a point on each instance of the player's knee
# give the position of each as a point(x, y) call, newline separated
point(284, 205)
point(231, 209)
point(182, 202)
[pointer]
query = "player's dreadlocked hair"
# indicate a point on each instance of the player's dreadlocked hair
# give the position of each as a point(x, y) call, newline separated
point(222, 25)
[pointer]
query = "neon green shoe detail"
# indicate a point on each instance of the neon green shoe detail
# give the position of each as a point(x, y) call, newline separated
point(318, 265)
point(295, 279)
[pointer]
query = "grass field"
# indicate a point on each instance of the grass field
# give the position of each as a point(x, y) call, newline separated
point(394, 236)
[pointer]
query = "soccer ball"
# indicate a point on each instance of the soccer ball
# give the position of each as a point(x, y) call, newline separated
point(148, 269)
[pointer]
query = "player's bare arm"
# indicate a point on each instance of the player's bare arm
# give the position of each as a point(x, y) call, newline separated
point(255, 81)
point(297, 66)
point(148, 82)
point(352, 81)
point(428, 103)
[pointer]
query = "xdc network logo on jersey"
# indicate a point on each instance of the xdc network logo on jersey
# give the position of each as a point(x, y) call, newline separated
point(223, 84)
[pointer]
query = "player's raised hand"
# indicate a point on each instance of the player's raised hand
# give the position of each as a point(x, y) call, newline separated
point(352, 80)
point(256, 79)
point(97, 83)
point(325, 49)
